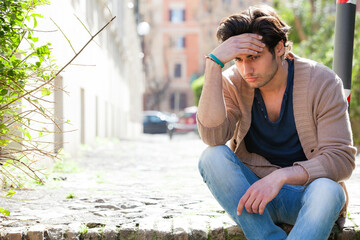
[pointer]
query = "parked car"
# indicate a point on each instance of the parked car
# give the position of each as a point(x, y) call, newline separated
point(157, 122)
point(186, 122)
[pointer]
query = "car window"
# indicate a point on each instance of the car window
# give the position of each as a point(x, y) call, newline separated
point(154, 119)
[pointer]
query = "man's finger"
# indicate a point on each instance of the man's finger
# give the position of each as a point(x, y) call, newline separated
point(252, 41)
point(252, 35)
point(262, 207)
point(252, 46)
point(249, 203)
point(255, 205)
point(242, 203)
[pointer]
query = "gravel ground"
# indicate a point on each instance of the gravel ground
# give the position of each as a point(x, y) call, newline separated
point(150, 186)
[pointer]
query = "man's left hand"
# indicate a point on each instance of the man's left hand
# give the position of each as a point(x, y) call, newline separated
point(260, 194)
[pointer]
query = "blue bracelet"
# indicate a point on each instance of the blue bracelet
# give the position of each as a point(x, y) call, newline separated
point(216, 60)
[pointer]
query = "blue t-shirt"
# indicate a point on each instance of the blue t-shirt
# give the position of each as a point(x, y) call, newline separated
point(278, 141)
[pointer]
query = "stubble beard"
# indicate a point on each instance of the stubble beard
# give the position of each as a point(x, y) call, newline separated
point(267, 77)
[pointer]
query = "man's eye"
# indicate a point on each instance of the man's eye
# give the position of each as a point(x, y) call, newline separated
point(255, 57)
point(238, 59)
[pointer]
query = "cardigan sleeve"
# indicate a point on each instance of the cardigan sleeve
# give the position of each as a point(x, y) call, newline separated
point(334, 155)
point(219, 135)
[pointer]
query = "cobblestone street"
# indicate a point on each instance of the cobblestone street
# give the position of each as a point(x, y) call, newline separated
point(148, 188)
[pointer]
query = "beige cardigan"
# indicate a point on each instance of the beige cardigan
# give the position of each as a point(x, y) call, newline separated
point(321, 119)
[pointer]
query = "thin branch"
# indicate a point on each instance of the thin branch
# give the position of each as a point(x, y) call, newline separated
point(44, 84)
point(83, 65)
point(4, 58)
point(64, 35)
point(37, 107)
point(12, 179)
point(85, 28)
point(109, 10)
point(22, 37)
point(35, 30)
point(25, 59)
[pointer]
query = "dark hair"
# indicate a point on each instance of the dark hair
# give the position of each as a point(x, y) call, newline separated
point(262, 20)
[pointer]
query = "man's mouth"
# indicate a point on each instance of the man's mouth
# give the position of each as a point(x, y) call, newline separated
point(251, 78)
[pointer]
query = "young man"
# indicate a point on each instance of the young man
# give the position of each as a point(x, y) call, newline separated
point(287, 122)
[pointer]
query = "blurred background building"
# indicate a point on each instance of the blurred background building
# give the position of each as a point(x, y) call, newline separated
point(181, 33)
point(100, 94)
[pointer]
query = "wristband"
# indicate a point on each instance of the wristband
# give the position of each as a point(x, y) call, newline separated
point(212, 56)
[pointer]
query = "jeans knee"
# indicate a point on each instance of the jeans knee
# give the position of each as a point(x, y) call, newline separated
point(211, 157)
point(326, 193)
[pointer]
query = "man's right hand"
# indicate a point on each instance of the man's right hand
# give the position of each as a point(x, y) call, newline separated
point(211, 109)
point(247, 44)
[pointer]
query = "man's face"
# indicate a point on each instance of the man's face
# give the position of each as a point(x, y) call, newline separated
point(257, 70)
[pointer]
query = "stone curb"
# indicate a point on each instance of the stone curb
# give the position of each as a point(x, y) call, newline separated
point(41, 232)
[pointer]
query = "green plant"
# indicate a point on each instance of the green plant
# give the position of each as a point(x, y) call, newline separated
point(27, 75)
point(25, 68)
point(65, 166)
point(197, 86)
point(318, 26)
point(4, 212)
point(70, 196)
point(83, 230)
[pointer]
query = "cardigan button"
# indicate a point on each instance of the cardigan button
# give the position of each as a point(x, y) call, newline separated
point(312, 150)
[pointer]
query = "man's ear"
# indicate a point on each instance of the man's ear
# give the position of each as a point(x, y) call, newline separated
point(280, 48)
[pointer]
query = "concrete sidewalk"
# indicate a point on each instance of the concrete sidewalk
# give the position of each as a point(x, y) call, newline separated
point(144, 189)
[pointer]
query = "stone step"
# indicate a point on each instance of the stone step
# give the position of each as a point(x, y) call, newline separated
point(41, 232)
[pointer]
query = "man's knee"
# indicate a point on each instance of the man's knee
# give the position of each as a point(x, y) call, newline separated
point(212, 158)
point(212, 154)
point(324, 193)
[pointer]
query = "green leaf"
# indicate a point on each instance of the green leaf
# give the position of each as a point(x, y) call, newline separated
point(10, 193)
point(45, 92)
point(8, 162)
point(4, 142)
point(4, 92)
point(25, 132)
point(4, 212)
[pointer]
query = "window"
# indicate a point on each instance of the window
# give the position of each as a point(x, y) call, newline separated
point(178, 101)
point(183, 101)
point(177, 70)
point(180, 42)
point(172, 101)
point(177, 15)
point(177, 42)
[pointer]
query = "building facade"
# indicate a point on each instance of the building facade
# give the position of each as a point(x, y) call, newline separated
point(182, 32)
point(99, 95)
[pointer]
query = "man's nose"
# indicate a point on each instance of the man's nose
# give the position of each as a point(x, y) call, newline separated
point(247, 68)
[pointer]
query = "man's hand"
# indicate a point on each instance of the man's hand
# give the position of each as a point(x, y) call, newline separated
point(247, 43)
point(260, 194)
point(266, 189)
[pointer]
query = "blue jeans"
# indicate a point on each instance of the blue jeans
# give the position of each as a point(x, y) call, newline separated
point(312, 209)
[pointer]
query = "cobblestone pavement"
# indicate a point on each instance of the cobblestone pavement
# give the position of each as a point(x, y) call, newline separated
point(147, 188)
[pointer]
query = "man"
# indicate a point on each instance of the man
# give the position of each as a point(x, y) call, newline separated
point(287, 122)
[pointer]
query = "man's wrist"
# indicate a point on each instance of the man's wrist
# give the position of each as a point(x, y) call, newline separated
point(215, 59)
point(211, 63)
point(295, 175)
